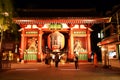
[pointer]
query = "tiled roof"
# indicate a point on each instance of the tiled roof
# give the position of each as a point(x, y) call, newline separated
point(74, 20)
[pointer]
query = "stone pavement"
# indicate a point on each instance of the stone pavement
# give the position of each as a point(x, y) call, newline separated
point(83, 66)
point(40, 71)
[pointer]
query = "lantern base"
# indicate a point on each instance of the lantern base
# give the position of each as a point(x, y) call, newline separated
point(56, 50)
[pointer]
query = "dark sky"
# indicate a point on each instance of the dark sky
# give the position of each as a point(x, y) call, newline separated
point(99, 5)
point(65, 4)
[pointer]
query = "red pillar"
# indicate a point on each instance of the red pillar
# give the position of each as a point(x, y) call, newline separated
point(40, 55)
point(22, 42)
point(89, 43)
point(71, 42)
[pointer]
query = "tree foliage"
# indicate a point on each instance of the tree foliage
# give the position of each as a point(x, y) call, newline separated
point(6, 15)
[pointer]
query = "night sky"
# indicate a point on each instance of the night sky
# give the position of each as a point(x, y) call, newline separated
point(101, 6)
point(65, 4)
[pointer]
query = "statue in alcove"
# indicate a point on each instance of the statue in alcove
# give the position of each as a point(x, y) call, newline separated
point(32, 44)
point(78, 46)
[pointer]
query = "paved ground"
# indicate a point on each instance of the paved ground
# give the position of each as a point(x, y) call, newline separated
point(67, 71)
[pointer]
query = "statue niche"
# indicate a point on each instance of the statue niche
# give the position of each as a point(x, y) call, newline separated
point(32, 44)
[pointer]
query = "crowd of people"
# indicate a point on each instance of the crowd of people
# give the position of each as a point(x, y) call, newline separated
point(56, 60)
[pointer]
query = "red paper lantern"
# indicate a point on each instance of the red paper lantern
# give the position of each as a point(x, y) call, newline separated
point(56, 41)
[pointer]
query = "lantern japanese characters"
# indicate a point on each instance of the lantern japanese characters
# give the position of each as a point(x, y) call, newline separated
point(56, 41)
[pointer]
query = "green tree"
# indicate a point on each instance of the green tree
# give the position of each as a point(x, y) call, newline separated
point(6, 15)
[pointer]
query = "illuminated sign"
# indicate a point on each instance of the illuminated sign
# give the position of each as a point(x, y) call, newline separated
point(55, 26)
point(79, 33)
point(31, 32)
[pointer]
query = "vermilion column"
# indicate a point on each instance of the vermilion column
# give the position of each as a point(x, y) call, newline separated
point(89, 43)
point(40, 55)
point(71, 42)
point(22, 42)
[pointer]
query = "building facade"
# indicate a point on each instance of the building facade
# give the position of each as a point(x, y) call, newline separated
point(110, 44)
point(35, 43)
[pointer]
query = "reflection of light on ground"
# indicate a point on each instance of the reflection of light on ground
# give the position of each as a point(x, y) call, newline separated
point(24, 69)
point(69, 69)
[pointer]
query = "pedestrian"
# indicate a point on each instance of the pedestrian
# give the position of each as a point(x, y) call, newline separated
point(92, 54)
point(95, 60)
point(56, 60)
point(48, 59)
point(76, 61)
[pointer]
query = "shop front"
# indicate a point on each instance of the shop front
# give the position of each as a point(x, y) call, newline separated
point(110, 52)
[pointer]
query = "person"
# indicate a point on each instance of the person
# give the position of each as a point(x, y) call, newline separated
point(76, 61)
point(56, 60)
point(48, 59)
point(92, 57)
point(95, 60)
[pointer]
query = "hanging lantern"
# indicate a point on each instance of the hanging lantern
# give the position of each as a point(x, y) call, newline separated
point(56, 41)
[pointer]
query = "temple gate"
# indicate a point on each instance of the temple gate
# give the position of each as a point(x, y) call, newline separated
point(35, 32)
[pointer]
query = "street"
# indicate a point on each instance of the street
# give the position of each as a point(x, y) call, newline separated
point(40, 71)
